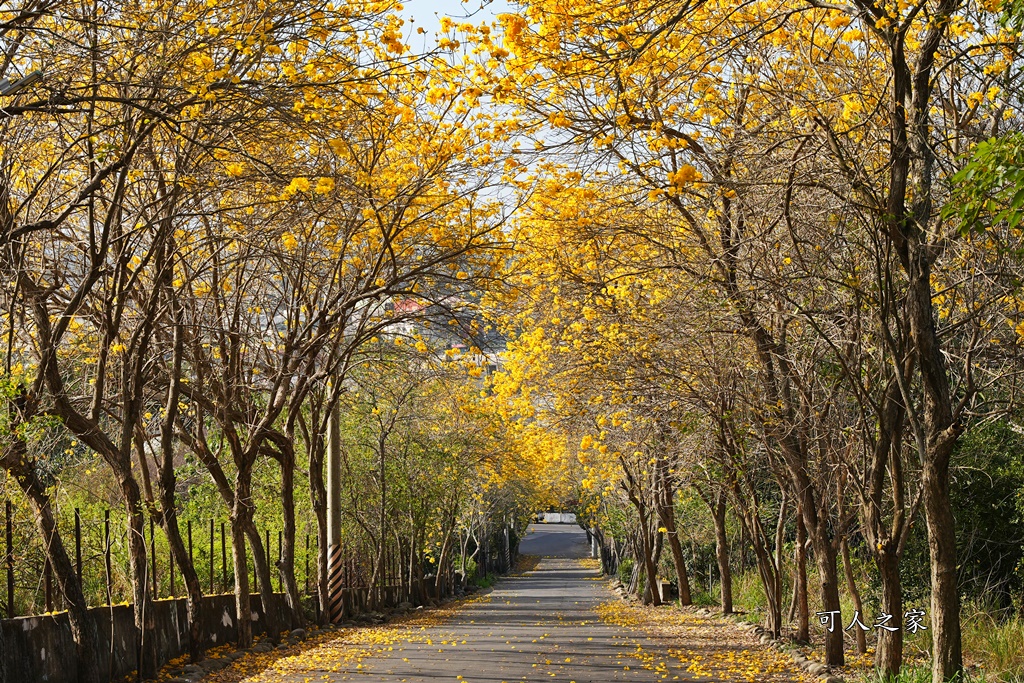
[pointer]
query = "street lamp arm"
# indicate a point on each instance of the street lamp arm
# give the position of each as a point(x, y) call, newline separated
point(7, 87)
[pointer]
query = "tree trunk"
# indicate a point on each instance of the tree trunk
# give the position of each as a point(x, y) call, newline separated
point(851, 585)
point(463, 549)
point(286, 566)
point(318, 499)
point(145, 619)
point(120, 463)
point(768, 572)
point(889, 649)
point(744, 545)
point(722, 553)
point(169, 522)
point(817, 524)
point(83, 629)
point(911, 229)
point(421, 579)
point(800, 585)
point(243, 610)
point(947, 656)
point(780, 531)
point(940, 433)
point(644, 544)
point(321, 565)
point(680, 566)
point(168, 483)
point(473, 556)
point(444, 560)
point(667, 514)
point(274, 622)
point(650, 569)
point(825, 557)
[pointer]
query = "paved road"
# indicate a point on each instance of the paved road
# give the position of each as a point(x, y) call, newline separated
point(555, 541)
point(540, 626)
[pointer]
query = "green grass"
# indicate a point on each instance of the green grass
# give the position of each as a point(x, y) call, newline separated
point(908, 674)
point(485, 581)
point(992, 641)
point(702, 598)
point(912, 674)
point(748, 596)
point(996, 645)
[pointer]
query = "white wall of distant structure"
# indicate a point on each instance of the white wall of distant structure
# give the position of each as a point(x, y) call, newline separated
point(558, 517)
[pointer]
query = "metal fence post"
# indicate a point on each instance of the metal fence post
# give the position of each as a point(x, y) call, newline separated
point(10, 561)
point(48, 582)
point(211, 555)
point(106, 551)
point(223, 560)
point(78, 546)
point(152, 555)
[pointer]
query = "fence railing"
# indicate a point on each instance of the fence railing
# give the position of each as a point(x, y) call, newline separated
point(29, 576)
point(104, 576)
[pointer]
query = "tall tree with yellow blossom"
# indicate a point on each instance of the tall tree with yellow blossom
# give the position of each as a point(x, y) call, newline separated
point(710, 107)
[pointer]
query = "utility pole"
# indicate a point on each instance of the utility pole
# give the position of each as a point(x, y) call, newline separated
point(335, 568)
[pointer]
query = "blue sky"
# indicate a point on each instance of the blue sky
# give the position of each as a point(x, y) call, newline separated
point(427, 13)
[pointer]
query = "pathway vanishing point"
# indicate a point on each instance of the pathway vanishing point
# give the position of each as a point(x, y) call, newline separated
point(557, 622)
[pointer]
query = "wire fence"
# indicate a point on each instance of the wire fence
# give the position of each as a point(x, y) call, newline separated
point(98, 550)
point(97, 545)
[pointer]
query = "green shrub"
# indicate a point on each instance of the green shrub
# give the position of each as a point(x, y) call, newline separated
point(625, 570)
point(485, 581)
point(748, 593)
point(701, 598)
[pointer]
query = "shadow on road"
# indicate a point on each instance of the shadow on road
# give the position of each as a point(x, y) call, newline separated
point(555, 540)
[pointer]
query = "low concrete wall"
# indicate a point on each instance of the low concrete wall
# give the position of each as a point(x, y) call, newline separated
point(558, 517)
point(41, 648)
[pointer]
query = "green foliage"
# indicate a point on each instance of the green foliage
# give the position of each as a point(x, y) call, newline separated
point(748, 594)
point(988, 493)
point(82, 482)
point(485, 581)
point(701, 598)
point(471, 565)
point(989, 189)
point(626, 570)
point(1013, 13)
